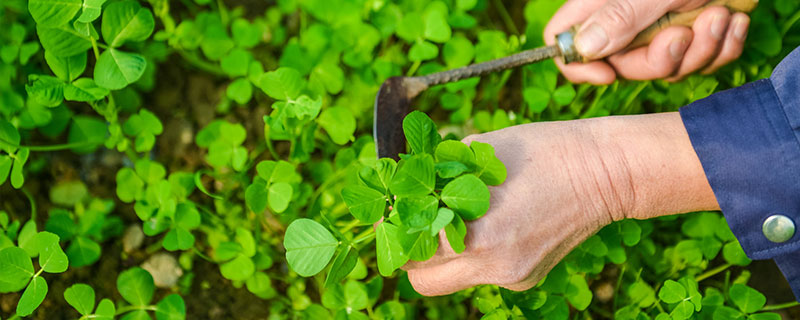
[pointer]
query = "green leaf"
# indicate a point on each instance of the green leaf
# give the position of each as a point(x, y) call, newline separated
point(458, 52)
point(489, 169)
point(734, 254)
point(450, 169)
point(415, 176)
point(45, 90)
point(282, 84)
point(309, 246)
point(683, 310)
point(63, 41)
point(245, 238)
point(578, 293)
point(564, 95)
point(420, 131)
point(178, 239)
point(32, 297)
point(747, 299)
point(240, 90)
point(261, 285)
point(91, 10)
point(256, 196)
point(390, 254)
point(85, 90)
point(672, 292)
point(53, 13)
point(129, 185)
point(455, 231)
point(411, 28)
point(280, 194)
point(126, 21)
point(443, 218)
point(66, 68)
point(236, 63)
point(366, 204)
point(17, 178)
point(136, 286)
point(8, 134)
point(5, 167)
point(16, 267)
point(468, 196)
point(137, 315)
point(536, 98)
point(452, 150)
point(417, 211)
point(171, 307)
point(339, 123)
point(81, 297)
point(51, 258)
point(83, 252)
point(116, 69)
point(727, 313)
point(343, 264)
point(423, 50)
point(436, 27)
point(105, 310)
point(89, 130)
point(238, 269)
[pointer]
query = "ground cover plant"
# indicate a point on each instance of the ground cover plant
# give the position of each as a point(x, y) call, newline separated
point(214, 159)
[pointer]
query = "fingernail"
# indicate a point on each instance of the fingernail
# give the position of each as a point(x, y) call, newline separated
point(740, 25)
point(591, 40)
point(677, 48)
point(718, 25)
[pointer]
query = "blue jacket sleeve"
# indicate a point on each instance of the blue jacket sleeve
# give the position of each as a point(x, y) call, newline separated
point(748, 141)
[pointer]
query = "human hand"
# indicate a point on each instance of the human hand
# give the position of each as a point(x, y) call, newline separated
point(566, 180)
point(608, 26)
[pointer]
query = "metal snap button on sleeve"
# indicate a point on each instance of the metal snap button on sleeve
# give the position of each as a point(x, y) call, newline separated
point(778, 228)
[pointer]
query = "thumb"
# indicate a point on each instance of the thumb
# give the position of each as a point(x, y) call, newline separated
point(617, 22)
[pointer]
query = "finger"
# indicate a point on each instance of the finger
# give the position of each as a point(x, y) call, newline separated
point(617, 22)
point(658, 60)
point(733, 44)
point(709, 31)
point(595, 72)
point(443, 279)
point(571, 13)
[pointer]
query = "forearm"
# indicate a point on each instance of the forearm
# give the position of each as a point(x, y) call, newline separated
point(652, 166)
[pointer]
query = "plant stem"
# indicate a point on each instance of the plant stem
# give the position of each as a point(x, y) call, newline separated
point(201, 64)
point(501, 9)
point(790, 23)
point(33, 203)
point(133, 308)
point(413, 68)
point(786, 305)
point(55, 147)
point(712, 272)
point(14, 317)
point(201, 255)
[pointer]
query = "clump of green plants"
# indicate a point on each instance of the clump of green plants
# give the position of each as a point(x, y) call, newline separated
point(438, 186)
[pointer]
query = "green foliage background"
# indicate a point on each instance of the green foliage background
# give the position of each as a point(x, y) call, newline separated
point(96, 134)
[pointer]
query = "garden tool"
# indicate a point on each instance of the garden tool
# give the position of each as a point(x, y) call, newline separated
point(394, 97)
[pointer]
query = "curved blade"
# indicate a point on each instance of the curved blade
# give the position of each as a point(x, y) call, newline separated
point(392, 104)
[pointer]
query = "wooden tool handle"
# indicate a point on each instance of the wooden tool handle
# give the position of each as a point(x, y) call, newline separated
point(570, 54)
point(687, 19)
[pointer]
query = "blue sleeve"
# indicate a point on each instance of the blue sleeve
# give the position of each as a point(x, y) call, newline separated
point(748, 141)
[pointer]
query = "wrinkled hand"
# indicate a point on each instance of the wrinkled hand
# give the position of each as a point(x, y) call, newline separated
point(566, 180)
point(608, 26)
point(548, 205)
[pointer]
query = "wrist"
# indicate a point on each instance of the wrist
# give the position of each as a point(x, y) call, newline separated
point(652, 167)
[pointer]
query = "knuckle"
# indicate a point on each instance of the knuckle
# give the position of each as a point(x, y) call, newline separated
point(620, 13)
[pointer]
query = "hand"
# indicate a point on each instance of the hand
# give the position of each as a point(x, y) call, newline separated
point(566, 180)
point(608, 26)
